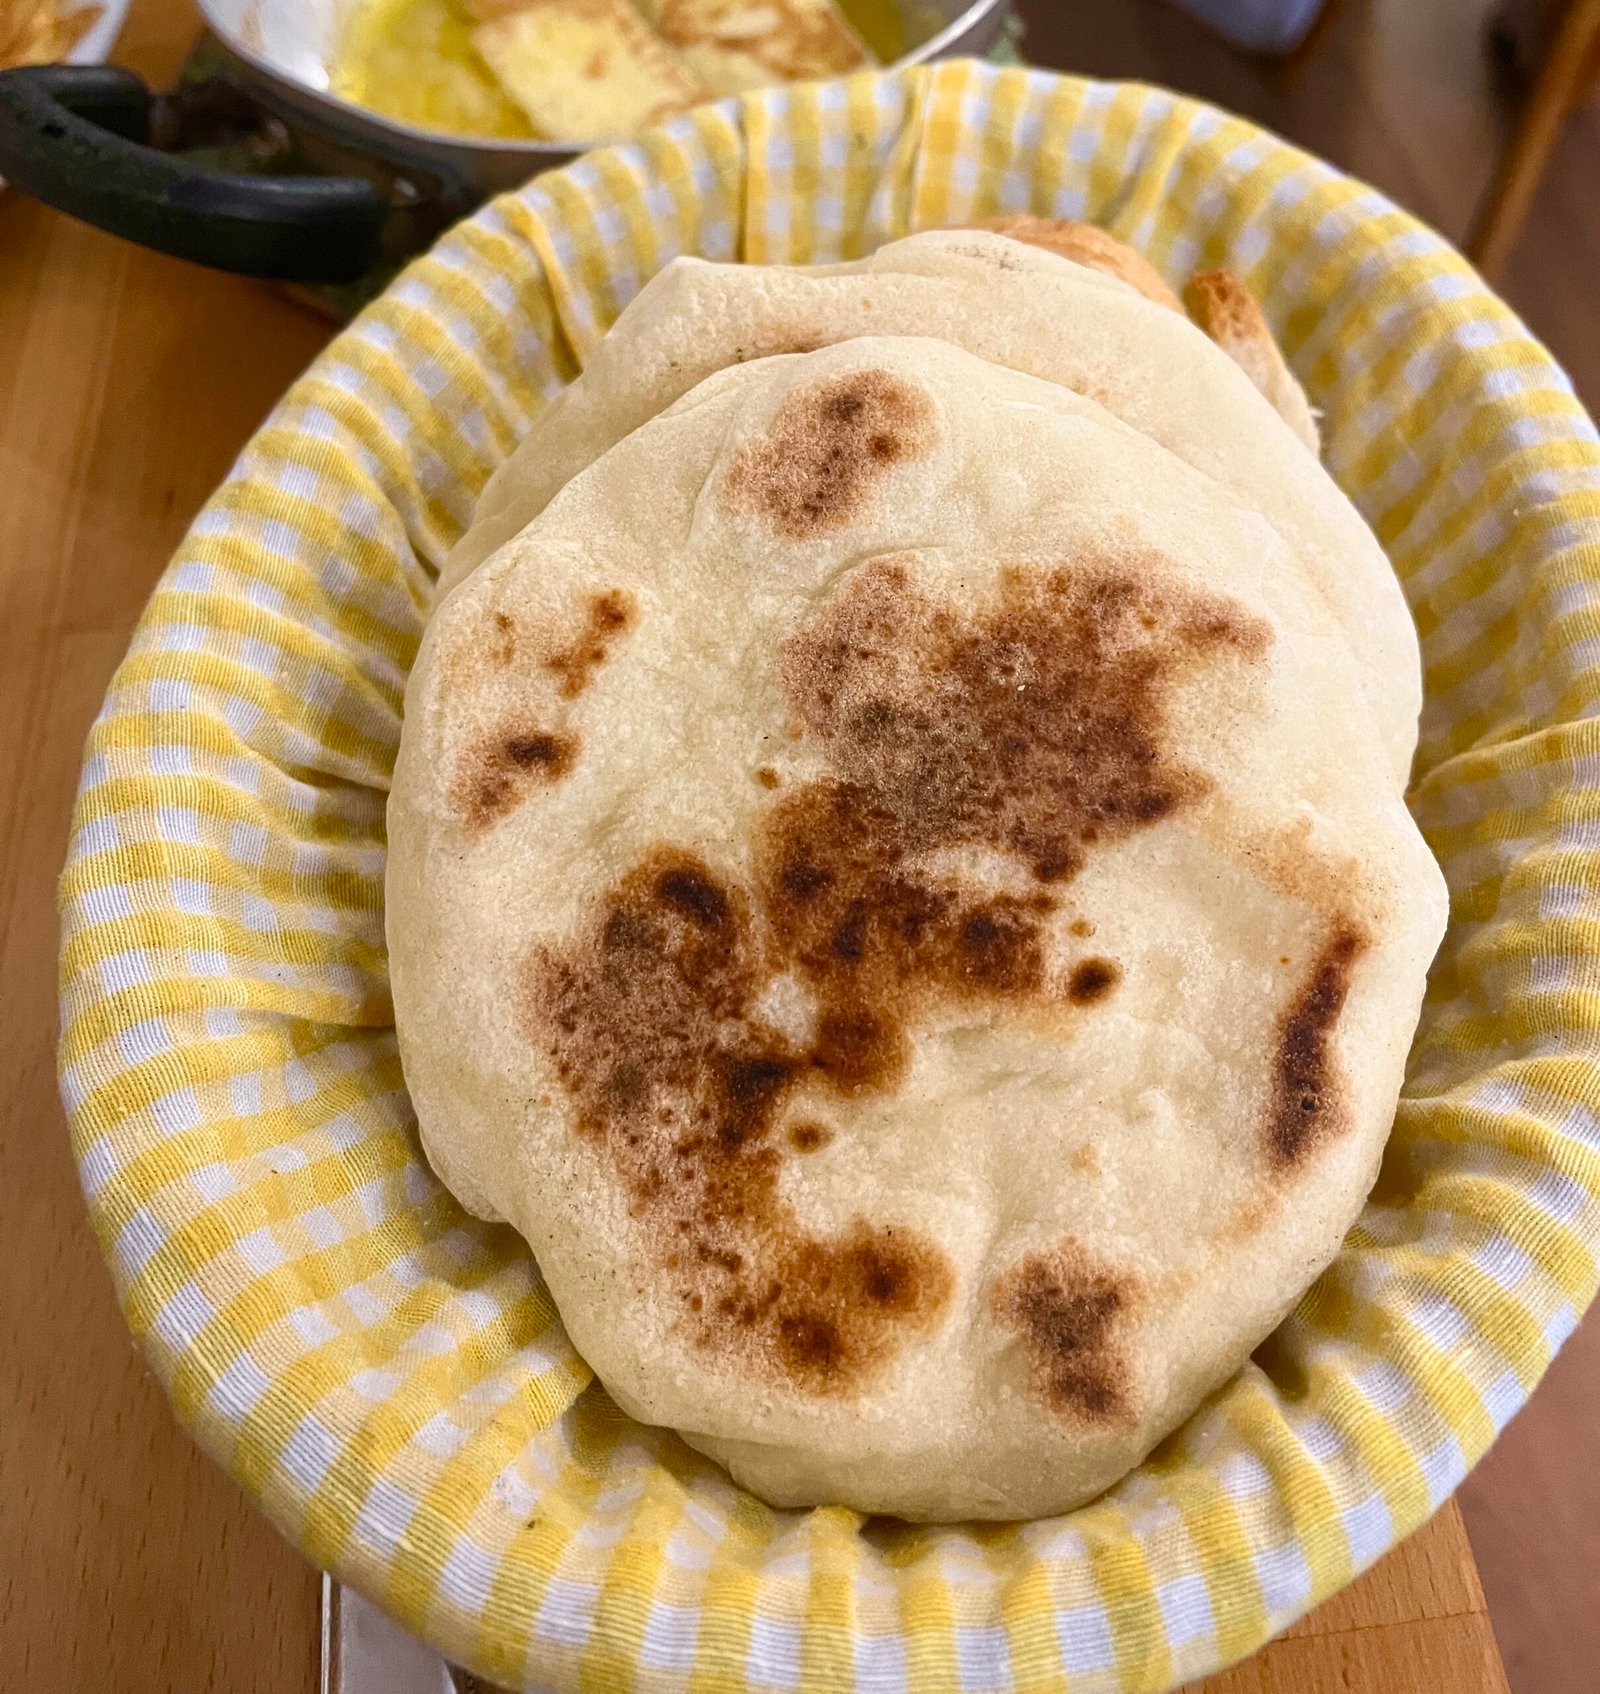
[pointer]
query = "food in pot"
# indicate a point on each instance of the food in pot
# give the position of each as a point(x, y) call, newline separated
point(414, 60)
point(586, 70)
point(578, 70)
point(734, 45)
point(38, 32)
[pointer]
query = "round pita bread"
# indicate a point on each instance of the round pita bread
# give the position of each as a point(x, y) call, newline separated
point(1014, 305)
point(1228, 312)
point(913, 921)
point(1088, 245)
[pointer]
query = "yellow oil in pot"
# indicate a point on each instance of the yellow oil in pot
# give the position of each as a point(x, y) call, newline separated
point(413, 60)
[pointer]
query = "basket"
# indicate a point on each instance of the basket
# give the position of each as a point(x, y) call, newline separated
point(386, 1375)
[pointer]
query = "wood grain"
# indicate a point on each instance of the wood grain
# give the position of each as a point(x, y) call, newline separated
point(1416, 1623)
point(1532, 1509)
point(127, 383)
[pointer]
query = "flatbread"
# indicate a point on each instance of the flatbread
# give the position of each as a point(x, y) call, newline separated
point(1014, 305)
point(1230, 314)
point(914, 921)
point(1224, 307)
point(1090, 246)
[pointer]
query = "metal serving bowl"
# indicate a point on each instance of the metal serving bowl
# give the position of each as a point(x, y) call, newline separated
point(95, 142)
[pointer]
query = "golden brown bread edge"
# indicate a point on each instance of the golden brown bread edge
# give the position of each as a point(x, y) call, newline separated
point(1220, 304)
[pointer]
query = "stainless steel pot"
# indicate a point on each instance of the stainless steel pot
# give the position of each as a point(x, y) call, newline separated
point(331, 192)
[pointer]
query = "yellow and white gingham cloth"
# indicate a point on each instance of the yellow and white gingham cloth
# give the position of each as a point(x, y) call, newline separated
point(388, 1376)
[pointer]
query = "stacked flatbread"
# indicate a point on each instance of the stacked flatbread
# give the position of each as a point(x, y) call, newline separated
point(899, 882)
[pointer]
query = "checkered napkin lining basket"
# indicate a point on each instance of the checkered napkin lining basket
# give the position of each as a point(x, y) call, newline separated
point(388, 1376)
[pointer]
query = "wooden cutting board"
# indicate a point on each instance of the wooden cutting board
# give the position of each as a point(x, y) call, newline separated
point(127, 384)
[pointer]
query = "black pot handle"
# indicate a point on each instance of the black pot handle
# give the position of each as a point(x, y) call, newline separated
point(75, 136)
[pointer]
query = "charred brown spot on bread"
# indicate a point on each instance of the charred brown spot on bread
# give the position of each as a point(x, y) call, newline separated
point(825, 449)
point(1033, 729)
point(607, 616)
point(1071, 1311)
point(496, 772)
point(845, 1303)
point(768, 777)
point(1247, 1218)
point(809, 1136)
point(1092, 980)
point(550, 755)
point(1036, 728)
point(1002, 950)
point(874, 935)
point(502, 640)
point(689, 891)
point(651, 1020)
point(1308, 1101)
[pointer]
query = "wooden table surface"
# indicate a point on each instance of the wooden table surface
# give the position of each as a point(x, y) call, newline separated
point(127, 384)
